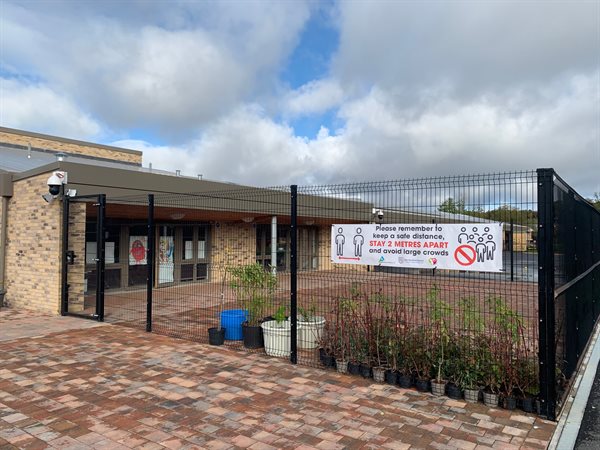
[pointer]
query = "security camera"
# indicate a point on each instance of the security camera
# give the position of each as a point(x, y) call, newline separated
point(56, 180)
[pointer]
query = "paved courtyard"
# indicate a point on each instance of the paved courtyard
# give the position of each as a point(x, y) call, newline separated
point(67, 383)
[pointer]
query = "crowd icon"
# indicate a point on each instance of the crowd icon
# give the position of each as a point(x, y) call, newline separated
point(482, 242)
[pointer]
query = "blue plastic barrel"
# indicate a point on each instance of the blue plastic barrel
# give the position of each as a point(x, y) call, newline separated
point(232, 320)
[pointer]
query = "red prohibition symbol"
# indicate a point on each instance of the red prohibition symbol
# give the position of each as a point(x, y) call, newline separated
point(465, 255)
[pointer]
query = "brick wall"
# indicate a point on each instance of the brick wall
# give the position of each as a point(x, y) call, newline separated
point(231, 245)
point(33, 248)
point(76, 271)
point(69, 146)
point(324, 252)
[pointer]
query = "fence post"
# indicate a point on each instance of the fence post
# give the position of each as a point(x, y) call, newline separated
point(150, 262)
point(512, 250)
point(100, 254)
point(64, 303)
point(547, 337)
point(294, 273)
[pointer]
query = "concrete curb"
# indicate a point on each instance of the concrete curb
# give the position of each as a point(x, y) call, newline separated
point(566, 432)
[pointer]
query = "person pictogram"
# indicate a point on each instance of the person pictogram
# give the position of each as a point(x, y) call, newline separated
point(358, 242)
point(340, 239)
point(463, 236)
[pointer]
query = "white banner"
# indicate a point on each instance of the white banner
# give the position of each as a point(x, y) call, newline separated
point(475, 247)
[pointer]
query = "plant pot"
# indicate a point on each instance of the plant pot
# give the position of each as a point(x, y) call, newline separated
point(391, 377)
point(365, 371)
point(490, 399)
point(253, 336)
point(277, 338)
point(310, 332)
point(438, 388)
point(216, 336)
point(379, 374)
point(454, 392)
point(405, 381)
point(472, 395)
point(341, 365)
point(423, 385)
point(321, 354)
point(353, 368)
point(329, 361)
point(232, 320)
point(528, 404)
point(509, 403)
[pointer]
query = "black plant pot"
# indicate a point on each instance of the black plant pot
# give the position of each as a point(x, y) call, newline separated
point(528, 404)
point(391, 377)
point(365, 371)
point(454, 392)
point(423, 385)
point(353, 368)
point(405, 380)
point(321, 355)
point(253, 336)
point(328, 361)
point(509, 403)
point(216, 336)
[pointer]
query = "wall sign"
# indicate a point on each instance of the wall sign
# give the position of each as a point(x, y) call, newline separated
point(474, 247)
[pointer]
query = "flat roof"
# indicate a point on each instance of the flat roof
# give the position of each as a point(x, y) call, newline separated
point(67, 140)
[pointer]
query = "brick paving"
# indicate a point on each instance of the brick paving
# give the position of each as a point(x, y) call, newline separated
point(112, 387)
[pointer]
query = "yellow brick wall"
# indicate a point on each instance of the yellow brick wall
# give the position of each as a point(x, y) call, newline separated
point(76, 271)
point(72, 147)
point(1, 228)
point(324, 252)
point(33, 263)
point(232, 244)
point(324, 248)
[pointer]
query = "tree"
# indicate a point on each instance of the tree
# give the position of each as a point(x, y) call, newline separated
point(453, 206)
point(595, 201)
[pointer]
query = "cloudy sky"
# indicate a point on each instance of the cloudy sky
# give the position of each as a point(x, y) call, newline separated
point(280, 92)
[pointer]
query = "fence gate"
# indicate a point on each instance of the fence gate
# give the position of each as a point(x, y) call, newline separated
point(83, 251)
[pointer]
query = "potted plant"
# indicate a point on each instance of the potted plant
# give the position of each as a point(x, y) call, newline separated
point(254, 287)
point(341, 336)
point(420, 357)
point(471, 350)
point(310, 327)
point(439, 310)
point(506, 325)
point(528, 384)
point(277, 334)
point(490, 373)
point(216, 335)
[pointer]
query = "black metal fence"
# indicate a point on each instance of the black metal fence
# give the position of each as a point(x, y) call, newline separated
point(571, 285)
point(198, 266)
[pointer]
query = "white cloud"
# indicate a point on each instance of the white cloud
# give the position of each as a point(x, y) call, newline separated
point(23, 103)
point(384, 141)
point(317, 96)
point(178, 67)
